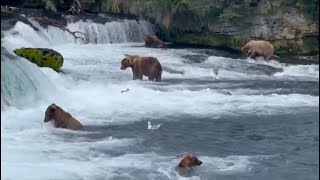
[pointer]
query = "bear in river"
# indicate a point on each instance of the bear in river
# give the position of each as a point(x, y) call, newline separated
point(61, 119)
point(153, 42)
point(187, 163)
point(148, 66)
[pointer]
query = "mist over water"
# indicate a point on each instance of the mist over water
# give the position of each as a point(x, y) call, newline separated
point(266, 129)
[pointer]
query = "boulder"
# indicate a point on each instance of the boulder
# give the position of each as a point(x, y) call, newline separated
point(43, 57)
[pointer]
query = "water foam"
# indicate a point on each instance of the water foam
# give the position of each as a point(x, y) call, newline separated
point(90, 89)
point(22, 82)
point(113, 32)
point(121, 31)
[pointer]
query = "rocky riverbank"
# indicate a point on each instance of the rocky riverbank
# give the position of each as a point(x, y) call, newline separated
point(291, 25)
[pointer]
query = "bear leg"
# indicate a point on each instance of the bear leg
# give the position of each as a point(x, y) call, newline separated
point(134, 77)
point(150, 78)
point(140, 76)
point(158, 78)
point(267, 58)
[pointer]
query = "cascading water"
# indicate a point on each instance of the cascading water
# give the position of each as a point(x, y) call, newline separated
point(121, 31)
point(113, 32)
point(22, 83)
point(19, 79)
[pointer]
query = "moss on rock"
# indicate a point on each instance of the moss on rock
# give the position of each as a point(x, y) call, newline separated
point(42, 57)
point(308, 45)
point(213, 40)
point(303, 46)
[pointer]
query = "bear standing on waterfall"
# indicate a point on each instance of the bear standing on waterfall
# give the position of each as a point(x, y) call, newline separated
point(61, 118)
point(153, 42)
point(148, 66)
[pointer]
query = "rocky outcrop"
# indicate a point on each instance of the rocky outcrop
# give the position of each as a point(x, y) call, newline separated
point(42, 57)
point(291, 25)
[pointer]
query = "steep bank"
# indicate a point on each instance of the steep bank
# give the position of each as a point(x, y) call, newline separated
point(292, 26)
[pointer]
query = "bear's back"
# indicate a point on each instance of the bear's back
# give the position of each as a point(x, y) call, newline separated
point(149, 65)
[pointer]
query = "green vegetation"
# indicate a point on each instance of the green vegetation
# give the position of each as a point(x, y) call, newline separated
point(220, 41)
point(42, 57)
point(310, 7)
point(214, 14)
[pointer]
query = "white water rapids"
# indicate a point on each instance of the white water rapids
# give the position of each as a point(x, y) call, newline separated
point(89, 88)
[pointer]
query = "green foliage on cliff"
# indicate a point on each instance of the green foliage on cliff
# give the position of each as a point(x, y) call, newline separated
point(214, 13)
point(230, 23)
point(161, 12)
point(53, 5)
point(310, 7)
point(63, 5)
point(114, 6)
point(229, 42)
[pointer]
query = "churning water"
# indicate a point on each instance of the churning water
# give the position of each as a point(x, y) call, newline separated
point(266, 129)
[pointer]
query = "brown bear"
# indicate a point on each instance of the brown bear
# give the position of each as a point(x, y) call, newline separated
point(256, 48)
point(148, 66)
point(154, 42)
point(61, 118)
point(188, 162)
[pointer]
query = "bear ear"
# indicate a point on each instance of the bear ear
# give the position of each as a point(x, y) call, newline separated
point(53, 107)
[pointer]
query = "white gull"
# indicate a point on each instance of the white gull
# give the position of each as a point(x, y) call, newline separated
point(153, 127)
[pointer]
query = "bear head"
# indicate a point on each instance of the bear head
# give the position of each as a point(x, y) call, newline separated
point(245, 48)
point(50, 112)
point(149, 38)
point(154, 41)
point(189, 160)
point(125, 63)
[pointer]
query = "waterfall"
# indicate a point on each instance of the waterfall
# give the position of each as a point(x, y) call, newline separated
point(22, 82)
point(120, 31)
point(113, 32)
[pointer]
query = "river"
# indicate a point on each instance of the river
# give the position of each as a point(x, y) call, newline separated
point(258, 121)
